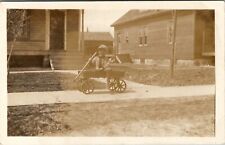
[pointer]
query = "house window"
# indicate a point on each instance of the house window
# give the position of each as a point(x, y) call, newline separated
point(170, 32)
point(140, 38)
point(126, 37)
point(140, 41)
point(143, 37)
point(18, 24)
point(145, 40)
point(118, 37)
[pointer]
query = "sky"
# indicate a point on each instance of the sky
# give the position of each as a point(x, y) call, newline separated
point(100, 20)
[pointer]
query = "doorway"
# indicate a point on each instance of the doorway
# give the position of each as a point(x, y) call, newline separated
point(57, 29)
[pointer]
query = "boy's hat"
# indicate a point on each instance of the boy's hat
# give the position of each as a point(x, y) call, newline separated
point(102, 47)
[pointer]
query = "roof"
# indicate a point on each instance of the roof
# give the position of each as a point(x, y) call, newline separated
point(98, 36)
point(135, 14)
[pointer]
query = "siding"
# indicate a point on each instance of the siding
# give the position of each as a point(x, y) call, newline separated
point(37, 25)
point(35, 46)
point(157, 33)
point(37, 34)
point(27, 48)
point(185, 36)
point(26, 45)
point(204, 26)
point(72, 30)
point(91, 46)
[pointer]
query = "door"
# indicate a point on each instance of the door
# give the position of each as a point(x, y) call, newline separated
point(57, 25)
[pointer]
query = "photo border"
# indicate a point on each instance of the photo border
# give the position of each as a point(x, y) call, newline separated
point(218, 6)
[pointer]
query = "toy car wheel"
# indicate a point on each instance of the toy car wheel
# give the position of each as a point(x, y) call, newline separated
point(120, 86)
point(79, 84)
point(111, 83)
point(87, 87)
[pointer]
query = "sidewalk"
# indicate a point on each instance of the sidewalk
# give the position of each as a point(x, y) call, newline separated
point(44, 71)
point(134, 91)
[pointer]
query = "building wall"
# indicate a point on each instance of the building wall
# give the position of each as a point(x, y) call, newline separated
point(72, 33)
point(37, 26)
point(91, 46)
point(157, 31)
point(36, 39)
point(205, 33)
point(35, 47)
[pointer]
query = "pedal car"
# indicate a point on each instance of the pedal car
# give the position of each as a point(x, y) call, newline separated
point(114, 80)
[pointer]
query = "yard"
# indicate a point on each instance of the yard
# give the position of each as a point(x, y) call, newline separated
point(158, 113)
point(181, 116)
point(160, 75)
point(184, 116)
point(47, 81)
point(53, 81)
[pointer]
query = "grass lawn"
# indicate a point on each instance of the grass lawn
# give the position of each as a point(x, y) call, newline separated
point(48, 81)
point(156, 75)
point(184, 116)
point(149, 75)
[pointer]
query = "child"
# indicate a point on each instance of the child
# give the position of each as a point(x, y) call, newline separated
point(100, 61)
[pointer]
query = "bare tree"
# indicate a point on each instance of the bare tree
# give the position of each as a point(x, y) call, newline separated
point(16, 20)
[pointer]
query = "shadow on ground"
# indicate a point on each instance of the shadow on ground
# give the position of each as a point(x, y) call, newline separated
point(48, 81)
point(99, 91)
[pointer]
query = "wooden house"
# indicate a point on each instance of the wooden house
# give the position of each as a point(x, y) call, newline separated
point(147, 35)
point(94, 39)
point(49, 34)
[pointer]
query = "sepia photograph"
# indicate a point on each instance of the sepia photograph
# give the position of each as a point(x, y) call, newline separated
point(112, 72)
point(90, 72)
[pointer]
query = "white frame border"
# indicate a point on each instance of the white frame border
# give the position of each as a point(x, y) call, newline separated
point(218, 6)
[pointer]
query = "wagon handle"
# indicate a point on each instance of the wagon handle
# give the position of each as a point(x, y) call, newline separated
point(89, 60)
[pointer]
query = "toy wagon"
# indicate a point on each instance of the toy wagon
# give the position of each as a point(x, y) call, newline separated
point(114, 80)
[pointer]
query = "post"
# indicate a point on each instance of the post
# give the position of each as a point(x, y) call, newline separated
point(82, 30)
point(173, 57)
point(47, 29)
point(65, 30)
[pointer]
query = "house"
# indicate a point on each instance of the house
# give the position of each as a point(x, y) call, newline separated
point(94, 39)
point(147, 36)
point(49, 35)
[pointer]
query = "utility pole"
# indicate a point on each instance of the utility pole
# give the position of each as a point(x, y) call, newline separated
point(173, 56)
point(82, 30)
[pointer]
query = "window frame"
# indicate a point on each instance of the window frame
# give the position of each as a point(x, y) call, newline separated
point(170, 32)
point(119, 37)
point(145, 36)
point(127, 37)
point(140, 41)
point(145, 40)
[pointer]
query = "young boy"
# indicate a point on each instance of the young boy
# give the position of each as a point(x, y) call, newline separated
point(100, 61)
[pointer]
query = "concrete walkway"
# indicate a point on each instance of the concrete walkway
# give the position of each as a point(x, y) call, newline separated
point(134, 91)
point(44, 71)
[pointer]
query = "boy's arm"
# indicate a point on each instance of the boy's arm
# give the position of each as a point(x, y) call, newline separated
point(97, 63)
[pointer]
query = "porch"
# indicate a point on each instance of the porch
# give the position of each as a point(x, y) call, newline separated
point(48, 34)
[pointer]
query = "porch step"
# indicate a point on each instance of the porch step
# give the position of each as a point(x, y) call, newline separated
point(67, 59)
